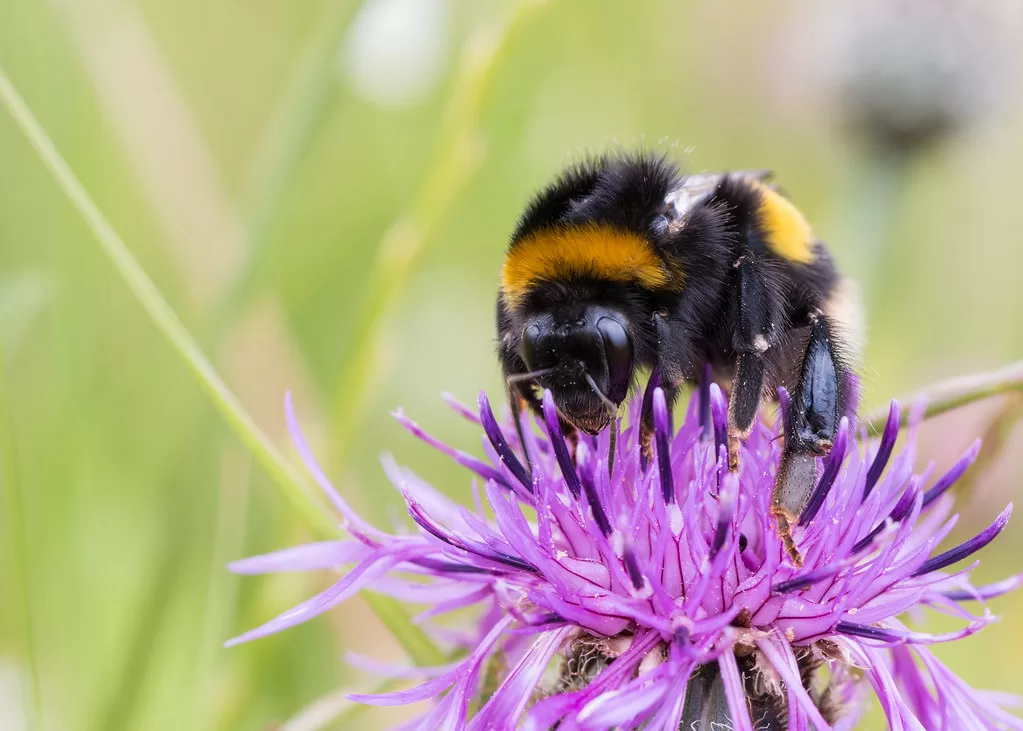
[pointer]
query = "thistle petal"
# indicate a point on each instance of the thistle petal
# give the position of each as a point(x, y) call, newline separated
point(657, 592)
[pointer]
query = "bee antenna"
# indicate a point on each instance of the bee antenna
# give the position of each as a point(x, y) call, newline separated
point(520, 377)
point(611, 406)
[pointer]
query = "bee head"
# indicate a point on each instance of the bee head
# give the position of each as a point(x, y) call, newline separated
point(584, 355)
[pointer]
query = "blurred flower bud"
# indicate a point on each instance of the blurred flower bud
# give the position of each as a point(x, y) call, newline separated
point(906, 74)
point(914, 72)
point(393, 54)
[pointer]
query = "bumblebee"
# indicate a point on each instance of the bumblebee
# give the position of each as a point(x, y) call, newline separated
point(624, 265)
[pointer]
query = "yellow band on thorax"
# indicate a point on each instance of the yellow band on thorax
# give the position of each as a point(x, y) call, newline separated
point(597, 251)
point(787, 232)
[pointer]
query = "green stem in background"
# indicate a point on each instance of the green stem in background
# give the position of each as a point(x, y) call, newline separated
point(21, 601)
point(459, 155)
point(155, 604)
point(951, 394)
point(396, 619)
point(308, 503)
point(302, 111)
point(302, 497)
point(221, 591)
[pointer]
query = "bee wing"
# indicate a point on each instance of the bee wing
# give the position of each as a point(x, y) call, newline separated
point(696, 188)
point(710, 180)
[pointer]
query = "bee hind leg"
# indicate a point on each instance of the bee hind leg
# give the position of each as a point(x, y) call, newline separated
point(809, 430)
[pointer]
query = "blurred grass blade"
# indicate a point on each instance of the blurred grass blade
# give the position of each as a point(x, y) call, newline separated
point(308, 503)
point(302, 112)
point(21, 601)
point(299, 493)
point(162, 141)
point(459, 155)
point(397, 620)
point(153, 609)
point(221, 591)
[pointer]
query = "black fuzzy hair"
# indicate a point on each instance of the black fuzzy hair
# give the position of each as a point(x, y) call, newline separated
point(625, 190)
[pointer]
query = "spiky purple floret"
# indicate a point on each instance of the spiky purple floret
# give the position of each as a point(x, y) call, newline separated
point(672, 569)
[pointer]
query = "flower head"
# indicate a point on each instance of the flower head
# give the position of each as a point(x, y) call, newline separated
point(660, 596)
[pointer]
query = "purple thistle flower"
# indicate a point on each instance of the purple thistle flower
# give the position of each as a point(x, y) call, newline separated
point(660, 597)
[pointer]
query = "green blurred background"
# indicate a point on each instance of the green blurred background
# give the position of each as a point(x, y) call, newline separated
point(322, 190)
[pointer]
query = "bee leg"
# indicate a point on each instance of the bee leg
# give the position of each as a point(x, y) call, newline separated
point(518, 401)
point(809, 430)
point(612, 447)
point(522, 395)
point(646, 421)
point(706, 378)
point(753, 337)
point(673, 349)
point(744, 402)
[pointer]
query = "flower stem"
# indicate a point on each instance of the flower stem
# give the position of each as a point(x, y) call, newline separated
point(993, 442)
point(881, 187)
point(308, 503)
point(953, 393)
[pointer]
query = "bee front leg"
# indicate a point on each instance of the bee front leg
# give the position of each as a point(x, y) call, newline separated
point(519, 401)
point(646, 422)
point(669, 375)
point(809, 430)
point(706, 378)
point(521, 393)
point(521, 396)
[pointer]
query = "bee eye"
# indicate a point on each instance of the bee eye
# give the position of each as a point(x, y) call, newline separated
point(530, 337)
point(617, 350)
